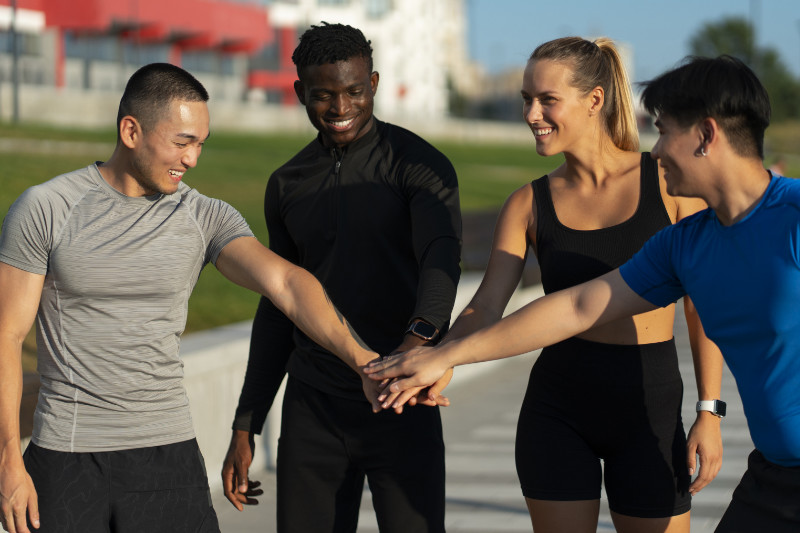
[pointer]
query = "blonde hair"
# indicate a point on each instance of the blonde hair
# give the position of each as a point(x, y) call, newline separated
point(598, 64)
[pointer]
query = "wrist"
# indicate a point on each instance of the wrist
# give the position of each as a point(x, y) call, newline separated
point(716, 408)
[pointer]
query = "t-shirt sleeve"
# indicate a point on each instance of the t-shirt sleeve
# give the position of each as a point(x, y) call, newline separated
point(220, 224)
point(26, 235)
point(651, 272)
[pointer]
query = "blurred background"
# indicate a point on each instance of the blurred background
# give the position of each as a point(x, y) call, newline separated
point(450, 70)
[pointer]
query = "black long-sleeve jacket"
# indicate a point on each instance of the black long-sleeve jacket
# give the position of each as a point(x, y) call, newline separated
point(379, 224)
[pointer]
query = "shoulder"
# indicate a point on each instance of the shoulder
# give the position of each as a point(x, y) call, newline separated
point(62, 191)
point(787, 189)
point(408, 146)
point(302, 163)
point(200, 204)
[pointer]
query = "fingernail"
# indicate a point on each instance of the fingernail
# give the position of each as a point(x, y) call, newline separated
point(691, 471)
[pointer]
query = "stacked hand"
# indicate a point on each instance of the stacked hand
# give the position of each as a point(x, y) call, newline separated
point(417, 376)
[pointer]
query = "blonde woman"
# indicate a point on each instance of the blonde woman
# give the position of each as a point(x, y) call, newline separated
point(605, 403)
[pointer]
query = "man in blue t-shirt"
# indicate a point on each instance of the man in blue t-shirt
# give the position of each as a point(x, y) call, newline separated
point(739, 261)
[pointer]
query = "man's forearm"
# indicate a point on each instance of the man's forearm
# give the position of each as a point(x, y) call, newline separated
point(10, 398)
point(549, 320)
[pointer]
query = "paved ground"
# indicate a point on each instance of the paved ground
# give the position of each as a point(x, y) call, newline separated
point(483, 493)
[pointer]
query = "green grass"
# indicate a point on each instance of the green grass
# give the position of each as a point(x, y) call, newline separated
point(235, 168)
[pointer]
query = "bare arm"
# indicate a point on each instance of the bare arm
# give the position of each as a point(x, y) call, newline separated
point(297, 294)
point(507, 259)
point(20, 293)
point(543, 322)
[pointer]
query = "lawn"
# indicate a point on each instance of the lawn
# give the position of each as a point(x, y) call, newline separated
point(235, 168)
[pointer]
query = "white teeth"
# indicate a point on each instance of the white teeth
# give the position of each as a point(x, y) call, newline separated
point(542, 131)
point(175, 173)
point(341, 124)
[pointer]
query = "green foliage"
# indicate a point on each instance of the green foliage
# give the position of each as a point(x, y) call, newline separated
point(735, 36)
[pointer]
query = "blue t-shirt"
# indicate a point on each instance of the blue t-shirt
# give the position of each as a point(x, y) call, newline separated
point(744, 280)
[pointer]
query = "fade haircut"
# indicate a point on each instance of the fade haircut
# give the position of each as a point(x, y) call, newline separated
point(152, 88)
point(598, 64)
point(723, 88)
point(330, 43)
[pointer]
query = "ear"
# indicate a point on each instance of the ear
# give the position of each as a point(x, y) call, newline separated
point(130, 131)
point(300, 91)
point(708, 132)
point(597, 98)
point(373, 82)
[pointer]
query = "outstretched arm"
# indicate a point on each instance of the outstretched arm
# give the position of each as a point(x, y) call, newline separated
point(20, 293)
point(543, 322)
point(297, 294)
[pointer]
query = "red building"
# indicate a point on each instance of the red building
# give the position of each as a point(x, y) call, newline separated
point(206, 33)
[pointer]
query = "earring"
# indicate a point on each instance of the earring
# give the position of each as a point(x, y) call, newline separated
point(703, 151)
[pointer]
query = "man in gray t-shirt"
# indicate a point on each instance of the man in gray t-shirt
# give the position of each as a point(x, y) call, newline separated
point(105, 258)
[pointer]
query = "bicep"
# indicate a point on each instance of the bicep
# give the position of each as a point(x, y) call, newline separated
point(250, 264)
point(21, 292)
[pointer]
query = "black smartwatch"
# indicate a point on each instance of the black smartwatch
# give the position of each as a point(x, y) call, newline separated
point(716, 407)
point(423, 330)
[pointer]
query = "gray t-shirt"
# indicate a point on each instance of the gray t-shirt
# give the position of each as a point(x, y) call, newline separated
point(118, 275)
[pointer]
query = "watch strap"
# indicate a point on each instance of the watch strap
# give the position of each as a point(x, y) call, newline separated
point(715, 407)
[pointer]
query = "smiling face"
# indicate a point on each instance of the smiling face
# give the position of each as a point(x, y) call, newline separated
point(678, 153)
point(557, 113)
point(164, 153)
point(339, 98)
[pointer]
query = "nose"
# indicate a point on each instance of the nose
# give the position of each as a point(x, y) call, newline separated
point(532, 111)
point(341, 104)
point(654, 151)
point(191, 155)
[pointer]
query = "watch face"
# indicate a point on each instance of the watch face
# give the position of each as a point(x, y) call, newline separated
point(720, 407)
point(423, 330)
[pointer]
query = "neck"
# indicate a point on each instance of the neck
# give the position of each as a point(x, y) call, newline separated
point(593, 161)
point(738, 190)
point(117, 173)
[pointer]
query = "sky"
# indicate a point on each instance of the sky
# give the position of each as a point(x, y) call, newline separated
point(503, 33)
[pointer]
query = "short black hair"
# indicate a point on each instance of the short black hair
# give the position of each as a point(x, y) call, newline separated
point(330, 43)
point(152, 88)
point(723, 88)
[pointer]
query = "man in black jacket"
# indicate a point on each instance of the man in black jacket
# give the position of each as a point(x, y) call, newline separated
point(372, 210)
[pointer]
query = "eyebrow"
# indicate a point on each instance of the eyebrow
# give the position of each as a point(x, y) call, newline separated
point(191, 137)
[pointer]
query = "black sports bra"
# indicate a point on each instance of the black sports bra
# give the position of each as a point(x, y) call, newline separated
point(568, 257)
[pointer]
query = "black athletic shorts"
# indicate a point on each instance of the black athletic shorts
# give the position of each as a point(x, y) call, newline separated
point(587, 402)
point(767, 499)
point(155, 489)
point(329, 444)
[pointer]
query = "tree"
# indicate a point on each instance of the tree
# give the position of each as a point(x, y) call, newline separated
point(735, 36)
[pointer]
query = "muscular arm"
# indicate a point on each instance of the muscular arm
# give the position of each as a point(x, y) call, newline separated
point(20, 293)
point(297, 294)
